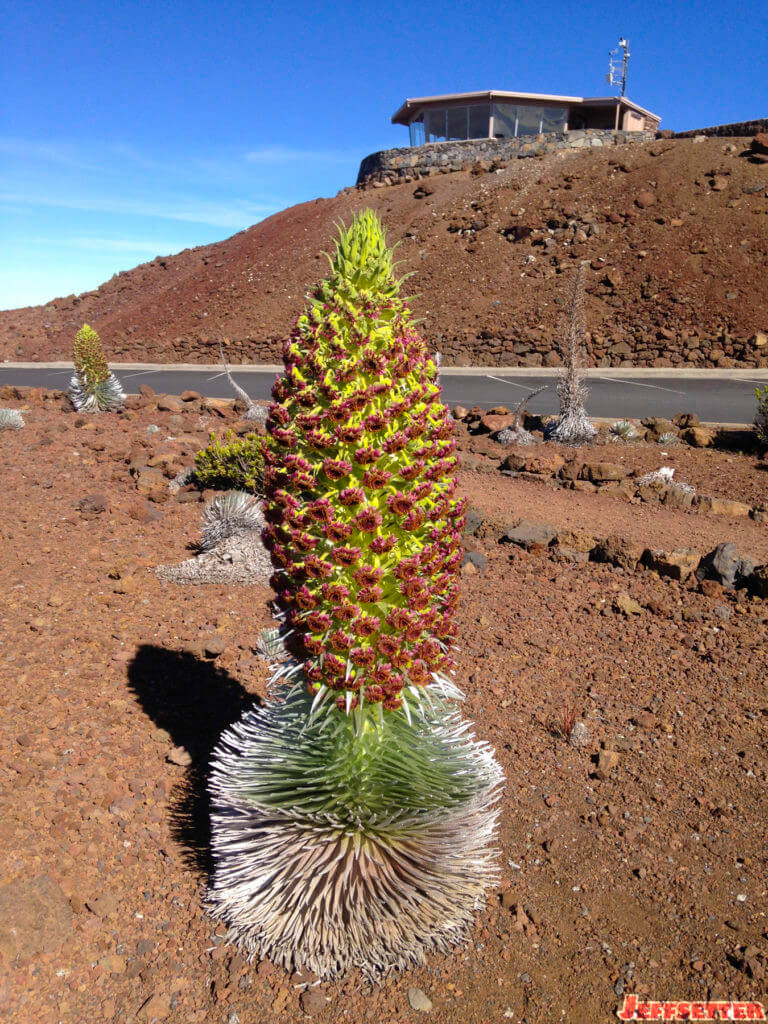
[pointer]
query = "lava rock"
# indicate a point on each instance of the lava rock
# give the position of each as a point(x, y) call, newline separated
point(725, 565)
point(528, 535)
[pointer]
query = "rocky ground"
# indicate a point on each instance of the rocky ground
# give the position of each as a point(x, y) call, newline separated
point(633, 857)
point(675, 232)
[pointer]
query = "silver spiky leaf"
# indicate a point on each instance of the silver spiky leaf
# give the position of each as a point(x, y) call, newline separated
point(514, 435)
point(105, 396)
point(228, 515)
point(351, 841)
point(623, 430)
point(257, 413)
point(271, 645)
point(11, 419)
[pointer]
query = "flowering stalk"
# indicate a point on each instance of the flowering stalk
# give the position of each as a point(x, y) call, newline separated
point(352, 819)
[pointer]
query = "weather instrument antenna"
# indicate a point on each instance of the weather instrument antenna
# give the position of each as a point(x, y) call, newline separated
point(617, 65)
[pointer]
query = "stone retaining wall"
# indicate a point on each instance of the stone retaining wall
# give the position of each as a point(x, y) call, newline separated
point(740, 129)
point(393, 165)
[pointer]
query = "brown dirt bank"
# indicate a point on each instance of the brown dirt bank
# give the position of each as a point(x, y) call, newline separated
point(676, 234)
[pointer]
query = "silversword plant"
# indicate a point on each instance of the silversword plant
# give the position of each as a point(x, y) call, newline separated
point(352, 817)
point(93, 388)
point(573, 426)
point(11, 419)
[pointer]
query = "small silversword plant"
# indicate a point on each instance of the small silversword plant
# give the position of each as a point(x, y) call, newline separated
point(11, 419)
point(93, 388)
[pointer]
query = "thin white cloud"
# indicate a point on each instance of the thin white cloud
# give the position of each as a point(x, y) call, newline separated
point(283, 154)
point(238, 214)
point(121, 245)
point(62, 154)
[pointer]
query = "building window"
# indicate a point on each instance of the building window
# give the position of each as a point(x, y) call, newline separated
point(416, 131)
point(554, 119)
point(479, 116)
point(434, 121)
point(529, 120)
point(510, 120)
point(504, 121)
point(454, 123)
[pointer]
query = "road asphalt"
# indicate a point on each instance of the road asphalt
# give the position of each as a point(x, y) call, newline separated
point(716, 396)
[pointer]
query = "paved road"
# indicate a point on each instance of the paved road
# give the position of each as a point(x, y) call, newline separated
point(715, 396)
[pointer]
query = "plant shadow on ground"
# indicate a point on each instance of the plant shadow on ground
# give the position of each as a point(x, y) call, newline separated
point(194, 701)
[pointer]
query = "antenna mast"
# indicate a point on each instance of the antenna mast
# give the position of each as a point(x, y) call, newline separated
point(617, 66)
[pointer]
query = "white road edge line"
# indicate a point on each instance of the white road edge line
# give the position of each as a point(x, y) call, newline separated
point(501, 380)
point(635, 384)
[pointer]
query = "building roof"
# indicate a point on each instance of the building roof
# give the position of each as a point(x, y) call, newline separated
point(404, 113)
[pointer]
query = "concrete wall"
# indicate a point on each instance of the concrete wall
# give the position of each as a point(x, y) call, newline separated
point(392, 165)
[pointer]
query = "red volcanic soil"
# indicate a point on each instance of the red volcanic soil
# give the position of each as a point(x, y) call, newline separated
point(676, 233)
point(633, 864)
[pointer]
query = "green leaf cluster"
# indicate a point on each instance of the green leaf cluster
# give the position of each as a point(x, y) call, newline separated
point(234, 463)
point(761, 417)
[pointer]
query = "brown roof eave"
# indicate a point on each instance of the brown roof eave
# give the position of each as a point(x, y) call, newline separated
point(408, 110)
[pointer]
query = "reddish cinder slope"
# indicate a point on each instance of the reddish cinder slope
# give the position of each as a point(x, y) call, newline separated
point(676, 234)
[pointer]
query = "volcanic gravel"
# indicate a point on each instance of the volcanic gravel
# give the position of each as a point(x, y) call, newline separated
point(634, 863)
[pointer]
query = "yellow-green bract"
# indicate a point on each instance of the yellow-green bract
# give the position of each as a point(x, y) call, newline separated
point(359, 489)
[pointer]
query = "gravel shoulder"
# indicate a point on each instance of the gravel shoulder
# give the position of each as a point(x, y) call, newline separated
point(635, 863)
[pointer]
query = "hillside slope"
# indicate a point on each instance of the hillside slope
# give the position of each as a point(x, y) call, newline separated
point(676, 232)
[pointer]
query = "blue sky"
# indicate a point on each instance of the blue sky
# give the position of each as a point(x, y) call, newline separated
point(133, 129)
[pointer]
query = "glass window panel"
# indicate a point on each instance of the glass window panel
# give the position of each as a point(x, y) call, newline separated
point(553, 119)
point(478, 121)
point(435, 125)
point(529, 120)
point(457, 122)
point(504, 120)
point(416, 130)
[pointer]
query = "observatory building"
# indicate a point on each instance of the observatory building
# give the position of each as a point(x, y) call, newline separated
point(508, 115)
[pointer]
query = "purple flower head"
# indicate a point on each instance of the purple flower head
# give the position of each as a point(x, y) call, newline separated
point(365, 625)
point(366, 455)
point(304, 598)
point(334, 666)
point(395, 443)
point(317, 621)
point(346, 555)
point(316, 567)
point(335, 469)
point(303, 481)
point(348, 434)
point(414, 520)
point(346, 611)
point(368, 519)
point(351, 496)
point(320, 510)
point(335, 592)
point(340, 641)
point(400, 504)
point(362, 656)
point(338, 531)
point(380, 545)
point(376, 477)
